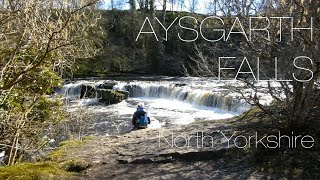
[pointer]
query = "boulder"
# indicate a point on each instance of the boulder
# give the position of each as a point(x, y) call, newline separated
point(125, 93)
point(87, 91)
point(109, 96)
point(107, 85)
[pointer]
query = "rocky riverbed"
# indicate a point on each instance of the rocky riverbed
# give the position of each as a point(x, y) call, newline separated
point(140, 155)
point(175, 152)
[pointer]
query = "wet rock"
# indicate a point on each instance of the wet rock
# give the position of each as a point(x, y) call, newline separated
point(180, 84)
point(75, 165)
point(134, 90)
point(87, 91)
point(68, 81)
point(109, 96)
point(55, 90)
point(107, 85)
point(125, 93)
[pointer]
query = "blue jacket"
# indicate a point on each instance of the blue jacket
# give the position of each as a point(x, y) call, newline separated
point(140, 112)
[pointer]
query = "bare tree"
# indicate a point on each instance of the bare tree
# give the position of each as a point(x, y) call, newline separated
point(181, 4)
point(152, 6)
point(164, 10)
point(112, 4)
point(296, 99)
point(172, 3)
point(37, 38)
point(211, 8)
point(193, 5)
point(132, 4)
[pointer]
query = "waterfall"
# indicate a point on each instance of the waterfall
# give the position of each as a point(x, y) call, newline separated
point(186, 94)
point(71, 91)
point(168, 102)
point(79, 90)
point(216, 98)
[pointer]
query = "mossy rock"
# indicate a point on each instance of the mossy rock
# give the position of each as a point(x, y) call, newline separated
point(55, 165)
point(125, 93)
point(108, 96)
point(31, 171)
point(75, 165)
point(59, 154)
point(251, 113)
point(88, 91)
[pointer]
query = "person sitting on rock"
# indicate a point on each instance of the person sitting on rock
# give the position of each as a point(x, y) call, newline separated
point(140, 119)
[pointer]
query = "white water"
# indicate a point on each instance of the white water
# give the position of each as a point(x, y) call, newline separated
point(167, 102)
point(164, 111)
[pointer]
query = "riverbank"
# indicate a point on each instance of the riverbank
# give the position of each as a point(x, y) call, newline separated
point(138, 155)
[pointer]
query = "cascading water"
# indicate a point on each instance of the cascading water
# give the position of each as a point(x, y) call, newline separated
point(185, 94)
point(167, 103)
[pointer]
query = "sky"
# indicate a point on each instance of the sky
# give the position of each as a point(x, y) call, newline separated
point(201, 7)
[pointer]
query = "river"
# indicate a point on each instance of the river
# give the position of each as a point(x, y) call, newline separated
point(169, 101)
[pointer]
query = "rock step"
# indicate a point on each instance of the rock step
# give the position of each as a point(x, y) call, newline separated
point(171, 157)
point(107, 96)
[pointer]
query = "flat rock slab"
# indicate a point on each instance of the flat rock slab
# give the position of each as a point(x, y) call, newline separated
point(138, 155)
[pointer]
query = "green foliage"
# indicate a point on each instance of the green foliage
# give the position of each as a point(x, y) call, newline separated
point(30, 105)
point(33, 60)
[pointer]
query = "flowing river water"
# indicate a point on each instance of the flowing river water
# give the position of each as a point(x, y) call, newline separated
point(169, 101)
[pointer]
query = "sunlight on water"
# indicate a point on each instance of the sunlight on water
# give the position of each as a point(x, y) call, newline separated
point(163, 111)
point(167, 103)
point(177, 112)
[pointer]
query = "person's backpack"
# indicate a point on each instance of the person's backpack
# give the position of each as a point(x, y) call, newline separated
point(143, 121)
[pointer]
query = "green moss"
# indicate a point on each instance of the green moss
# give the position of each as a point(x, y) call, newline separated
point(297, 172)
point(30, 171)
point(59, 154)
point(250, 113)
point(70, 143)
point(56, 165)
point(86, 138)
point(75, 165)
point(111, 96)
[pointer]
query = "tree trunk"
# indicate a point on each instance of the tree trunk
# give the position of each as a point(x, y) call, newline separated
point(132, 5)
point(151, 3)
point(146, 4)
point(164, 9)
point(112, 4)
